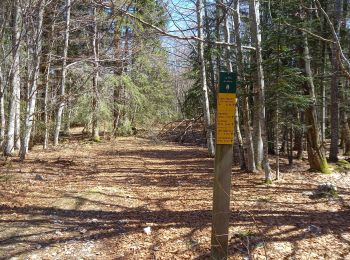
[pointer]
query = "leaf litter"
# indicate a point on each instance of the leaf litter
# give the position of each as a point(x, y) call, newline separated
point(136, 199)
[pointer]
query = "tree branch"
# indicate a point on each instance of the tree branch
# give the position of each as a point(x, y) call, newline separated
point(183, 38)
point(309, 32)
point(336, 41)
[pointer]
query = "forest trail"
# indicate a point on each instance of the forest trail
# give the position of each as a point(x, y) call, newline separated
point(87, 200)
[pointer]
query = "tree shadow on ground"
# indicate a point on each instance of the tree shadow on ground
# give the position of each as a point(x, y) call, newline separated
point(169, 171)
point(107, 224)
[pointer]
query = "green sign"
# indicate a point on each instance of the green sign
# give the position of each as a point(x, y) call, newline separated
point(227, 82)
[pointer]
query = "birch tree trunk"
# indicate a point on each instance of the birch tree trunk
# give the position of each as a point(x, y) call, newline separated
point(36, 48)
point(18, 119)
point(250, 161)
point(15, 83)
point(46, 102)
point(210, 46)
point(256, 36)
point(2, 108)
point(238, 133)
point(218, 21)
point(3, 85)
point(316, 156)
point(205, 98)
point(95, 131)
point(61, 104)
point(257, 131)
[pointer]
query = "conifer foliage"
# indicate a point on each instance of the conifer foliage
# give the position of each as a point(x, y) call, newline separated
point(111, 66)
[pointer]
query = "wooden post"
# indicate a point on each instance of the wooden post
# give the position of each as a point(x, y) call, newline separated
point(226, 108)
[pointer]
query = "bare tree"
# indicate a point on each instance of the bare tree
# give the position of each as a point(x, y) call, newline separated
point(4, 17)
point(316, 156)
point(62, 97)
point(35, 28)
point(95, 48)
point(334, 147)
point(15, 84)
point(203, 77)
point(250, 160)
point(260, 100)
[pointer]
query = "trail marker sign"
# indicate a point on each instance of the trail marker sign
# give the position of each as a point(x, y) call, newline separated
point(225, 125)
point(226, 108)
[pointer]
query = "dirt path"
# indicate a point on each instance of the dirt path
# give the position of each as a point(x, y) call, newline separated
point(89, 200)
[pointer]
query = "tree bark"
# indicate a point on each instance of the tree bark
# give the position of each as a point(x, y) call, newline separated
point(334, 147)
point(15, 83)
point(230, 69)
point(118, 72)
point(250, 161)
point(46, 102)
point(345, 129)
point(67, 113)
point(316, 156)
point(62, 97)
point(95, 105)
point(276, 144)
point(2, 108)
point(299, 136)
point(203, 80)
point(256, 39)
point(210, 55)
point(323, 92)
point(18, 119)
point(36, 47)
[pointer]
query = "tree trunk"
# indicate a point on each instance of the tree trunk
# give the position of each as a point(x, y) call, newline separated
point(67, 116)
point(15, 83)
point(210, 54)
point(316, 156)
point(346, 135)
point(345, 129)
point(299, 136)
point(205, 98)
point(276, 144)
point(117, 88)
point(256, 39)
point(2, 108)
point(95, 106)
point(218, 20)
point(36, 47)
point(257, 139)
point(46, 89)
point(62, 97)
point(230, 69)
point(257, 108)
point(250, 161)
point(334, 147)
point(323, 93)
point(290, 145)
point(46, 102)
point(18, 120)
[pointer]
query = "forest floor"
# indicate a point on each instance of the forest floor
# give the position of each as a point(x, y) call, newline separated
point(133, 198)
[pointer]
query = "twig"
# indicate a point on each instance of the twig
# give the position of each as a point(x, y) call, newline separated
point(183, 38)
point(259, 230)
point(309, 32)
point(336, 39)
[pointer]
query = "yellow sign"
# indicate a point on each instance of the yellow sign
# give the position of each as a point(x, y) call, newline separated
point(225, 120)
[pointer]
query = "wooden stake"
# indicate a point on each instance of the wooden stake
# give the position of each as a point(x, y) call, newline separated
point(223, 165)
